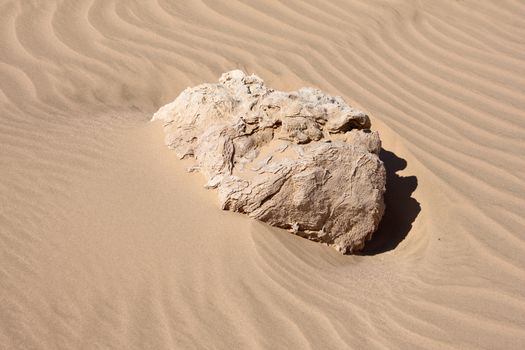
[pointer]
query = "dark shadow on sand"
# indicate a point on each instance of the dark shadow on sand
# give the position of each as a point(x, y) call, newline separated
point(401, 208)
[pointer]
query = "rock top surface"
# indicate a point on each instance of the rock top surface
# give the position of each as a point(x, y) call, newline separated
point(301, 160)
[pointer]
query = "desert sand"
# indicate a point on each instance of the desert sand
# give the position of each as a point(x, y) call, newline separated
point(106, 242)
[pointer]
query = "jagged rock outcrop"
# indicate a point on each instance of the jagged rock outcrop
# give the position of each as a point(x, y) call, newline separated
point(302, 160)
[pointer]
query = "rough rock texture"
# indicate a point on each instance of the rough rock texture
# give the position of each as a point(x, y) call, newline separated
point(301, 160)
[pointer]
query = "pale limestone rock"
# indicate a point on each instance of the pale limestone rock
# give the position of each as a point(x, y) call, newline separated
point(300, 160)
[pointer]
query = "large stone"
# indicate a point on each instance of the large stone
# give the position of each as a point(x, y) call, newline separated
point(302, 160)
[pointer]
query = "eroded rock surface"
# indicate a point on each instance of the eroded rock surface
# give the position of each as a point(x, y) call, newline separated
point(302, 160)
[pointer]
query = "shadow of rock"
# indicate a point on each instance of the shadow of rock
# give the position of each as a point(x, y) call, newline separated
point(401, 208)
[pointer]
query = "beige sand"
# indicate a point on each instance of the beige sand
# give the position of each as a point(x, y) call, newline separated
point(106, 242)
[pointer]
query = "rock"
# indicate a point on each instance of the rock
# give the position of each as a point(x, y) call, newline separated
point(302, 160)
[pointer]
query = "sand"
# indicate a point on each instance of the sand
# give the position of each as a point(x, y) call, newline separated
point(107, 243)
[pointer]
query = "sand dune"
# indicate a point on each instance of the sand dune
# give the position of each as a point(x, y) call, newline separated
point(106, 241)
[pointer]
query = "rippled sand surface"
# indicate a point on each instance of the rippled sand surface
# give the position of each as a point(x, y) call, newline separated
point(107, 243)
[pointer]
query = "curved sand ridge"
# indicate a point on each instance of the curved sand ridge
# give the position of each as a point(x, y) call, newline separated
point(93, 255)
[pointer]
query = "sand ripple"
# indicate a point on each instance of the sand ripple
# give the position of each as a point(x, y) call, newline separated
point(105, 241)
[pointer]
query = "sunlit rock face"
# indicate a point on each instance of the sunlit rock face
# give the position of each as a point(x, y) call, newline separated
point(301, 160)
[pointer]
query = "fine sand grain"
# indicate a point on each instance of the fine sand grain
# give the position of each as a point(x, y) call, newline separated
point(107, 243)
